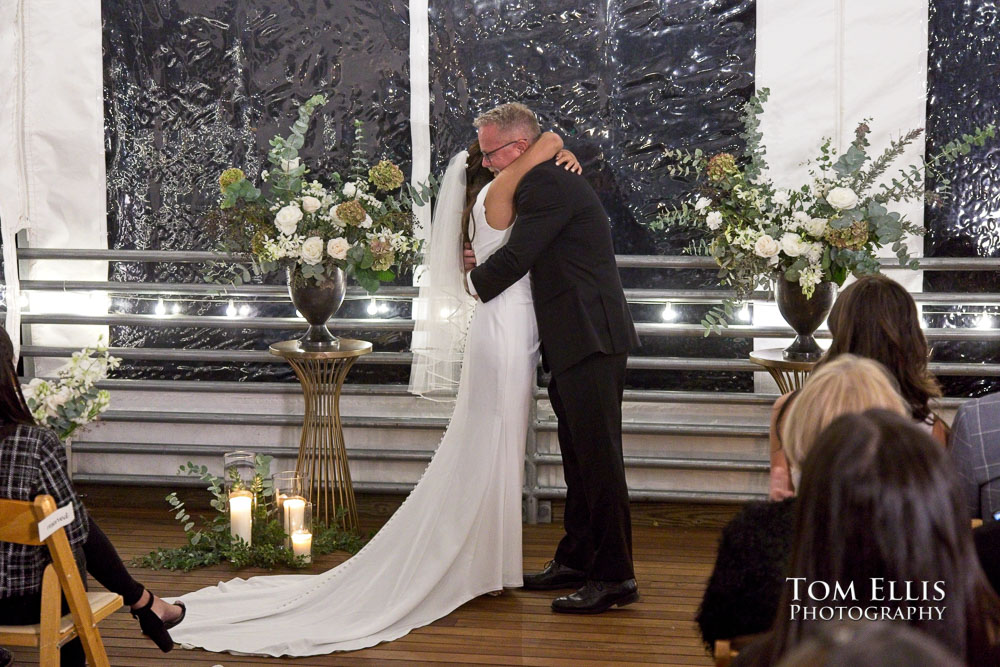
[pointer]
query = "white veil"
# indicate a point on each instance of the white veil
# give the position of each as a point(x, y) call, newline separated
point(443, 309)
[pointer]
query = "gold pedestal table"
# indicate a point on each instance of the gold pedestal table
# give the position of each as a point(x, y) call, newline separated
point(790, 375)
point(322, 458)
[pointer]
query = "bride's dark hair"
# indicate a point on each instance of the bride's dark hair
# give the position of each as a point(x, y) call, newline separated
point(476, 178)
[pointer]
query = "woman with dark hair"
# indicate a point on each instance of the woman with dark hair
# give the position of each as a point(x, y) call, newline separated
point(33, 462)
point(876, 318)
point(880, 506)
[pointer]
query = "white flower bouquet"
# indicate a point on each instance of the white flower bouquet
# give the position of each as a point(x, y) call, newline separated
point(823, 230)
point(69, 403)
point(362, 224)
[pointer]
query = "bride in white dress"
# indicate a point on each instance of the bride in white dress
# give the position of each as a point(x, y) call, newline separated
point(458, 534)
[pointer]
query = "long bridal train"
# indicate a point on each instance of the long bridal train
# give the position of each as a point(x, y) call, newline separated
point(457, 536)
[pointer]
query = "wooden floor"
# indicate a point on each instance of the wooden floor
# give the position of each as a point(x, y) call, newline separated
point(672, 564)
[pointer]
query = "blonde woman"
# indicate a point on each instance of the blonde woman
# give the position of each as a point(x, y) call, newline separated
point(743, 593)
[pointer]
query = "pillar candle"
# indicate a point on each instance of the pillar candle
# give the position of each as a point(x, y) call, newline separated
point(302, 544)
point(240, 515)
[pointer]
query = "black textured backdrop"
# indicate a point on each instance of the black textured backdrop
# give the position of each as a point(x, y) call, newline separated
point(963, 71)
point(192, 87)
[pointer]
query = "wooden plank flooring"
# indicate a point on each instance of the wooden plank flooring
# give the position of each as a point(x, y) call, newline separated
point(672, 562)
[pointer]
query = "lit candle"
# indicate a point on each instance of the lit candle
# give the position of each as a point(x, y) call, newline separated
point(281, 499)
point(302, 544)
point(240, 515)
point(294, 513)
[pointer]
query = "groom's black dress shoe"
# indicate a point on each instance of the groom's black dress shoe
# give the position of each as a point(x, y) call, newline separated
point(554, 576)
point(598, 596)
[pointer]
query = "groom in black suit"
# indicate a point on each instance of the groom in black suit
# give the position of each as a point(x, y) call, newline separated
point(563, 237)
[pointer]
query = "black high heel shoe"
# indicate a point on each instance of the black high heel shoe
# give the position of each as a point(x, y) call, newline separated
point(153, 626)
point(174, 623)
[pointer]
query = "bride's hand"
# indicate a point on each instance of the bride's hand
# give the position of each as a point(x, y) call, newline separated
point(568, 161)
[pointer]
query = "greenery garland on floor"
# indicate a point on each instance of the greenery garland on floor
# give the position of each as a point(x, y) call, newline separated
point(212, 543)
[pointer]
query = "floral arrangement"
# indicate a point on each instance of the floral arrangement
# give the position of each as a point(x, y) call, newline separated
point(822, 230)
point(213, 542)
point(73, 400)
point(362, 224)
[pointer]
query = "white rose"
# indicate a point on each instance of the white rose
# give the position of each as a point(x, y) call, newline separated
point(842, 198)
point(312, 250)
point(815, 226)
point(366, 223)
point(766, 246)
point(54, 401)
point(350, 190)
point(310, 204)
point(781, 198)
point(287, 219)
point(713, 220)
point(814, 253)
point(792, 245)
point(289, 165)
point(338, 247)
point(702, 204)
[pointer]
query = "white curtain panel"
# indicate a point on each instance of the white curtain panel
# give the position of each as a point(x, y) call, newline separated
point(52, 180)
point(829, 64)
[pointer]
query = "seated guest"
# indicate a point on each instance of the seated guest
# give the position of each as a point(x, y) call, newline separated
point(33, 462)
point(869, 644)
point(975, 449)
point(743, 591)
point(876, 318)
point(880, 505)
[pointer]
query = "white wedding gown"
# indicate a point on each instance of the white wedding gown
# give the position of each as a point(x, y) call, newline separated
point(457, 536)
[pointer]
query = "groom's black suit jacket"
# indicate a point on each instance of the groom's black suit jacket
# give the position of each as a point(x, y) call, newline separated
point(563, 236)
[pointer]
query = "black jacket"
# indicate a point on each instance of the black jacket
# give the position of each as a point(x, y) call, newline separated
point(563, 236)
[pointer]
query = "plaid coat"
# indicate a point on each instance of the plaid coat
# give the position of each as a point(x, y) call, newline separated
point(33, 462)
point(975, 449)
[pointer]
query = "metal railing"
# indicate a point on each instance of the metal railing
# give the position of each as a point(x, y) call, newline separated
point(535, 493)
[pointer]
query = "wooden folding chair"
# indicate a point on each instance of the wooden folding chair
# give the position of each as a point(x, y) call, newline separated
point(727, 649)
point(19, 524)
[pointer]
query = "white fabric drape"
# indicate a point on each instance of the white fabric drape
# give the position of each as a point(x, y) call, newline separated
point(420, 106)
point(52, 177)
point(829, 65)
point(442, 311)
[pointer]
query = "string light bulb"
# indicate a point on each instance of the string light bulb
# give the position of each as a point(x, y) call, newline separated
point(176, 309)
point(668, 313)
point(373, 308)
point(231, 309)
point(160, 309)
point(244, 310)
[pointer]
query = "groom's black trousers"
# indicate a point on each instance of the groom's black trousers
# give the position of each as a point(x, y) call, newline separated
point(587, 400)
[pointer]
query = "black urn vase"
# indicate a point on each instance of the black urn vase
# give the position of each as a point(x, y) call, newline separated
point(317, 302)
point(804, 314)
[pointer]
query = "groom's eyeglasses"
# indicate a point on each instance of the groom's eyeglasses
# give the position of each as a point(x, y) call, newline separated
point(488, 155)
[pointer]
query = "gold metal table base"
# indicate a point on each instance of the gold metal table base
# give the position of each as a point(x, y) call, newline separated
point(322, 460)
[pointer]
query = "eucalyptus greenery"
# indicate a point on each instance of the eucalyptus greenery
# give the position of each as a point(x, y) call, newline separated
point(823, 230)
point(211, 542)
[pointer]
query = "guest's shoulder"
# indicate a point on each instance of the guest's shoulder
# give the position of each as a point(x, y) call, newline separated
point(764, 526)
point(33, 438)
point(989, 402)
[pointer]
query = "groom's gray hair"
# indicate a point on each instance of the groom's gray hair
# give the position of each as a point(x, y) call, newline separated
point(511, 116)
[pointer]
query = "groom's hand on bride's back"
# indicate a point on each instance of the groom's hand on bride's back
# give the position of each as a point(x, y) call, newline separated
point(469, 257)
point(469, 260)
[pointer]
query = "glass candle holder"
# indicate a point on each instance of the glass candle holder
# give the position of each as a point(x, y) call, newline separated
point(293, 516)
point(301, 537)
point(238, 469)
point(285, 485)
point(241, 514)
